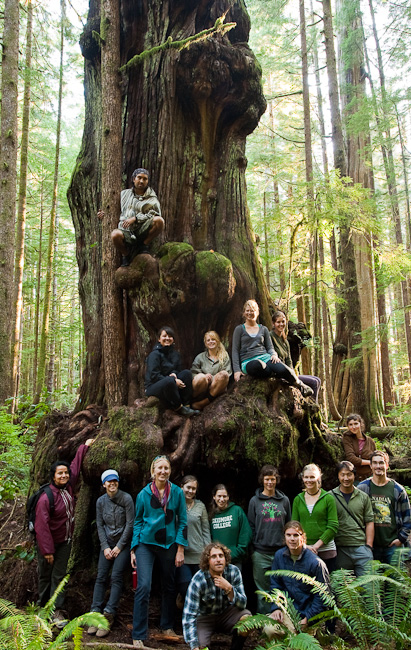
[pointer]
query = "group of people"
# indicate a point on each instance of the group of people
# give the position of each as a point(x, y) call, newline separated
point(255, 351)
point(201, 554)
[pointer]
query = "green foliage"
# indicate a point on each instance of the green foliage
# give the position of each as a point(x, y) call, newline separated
point(32, 629)
point(15, 457)
point(376, 607)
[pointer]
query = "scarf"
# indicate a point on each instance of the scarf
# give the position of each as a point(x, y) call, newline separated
point(166, 494)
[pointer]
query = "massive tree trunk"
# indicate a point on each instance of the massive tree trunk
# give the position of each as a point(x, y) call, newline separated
point(185, 117)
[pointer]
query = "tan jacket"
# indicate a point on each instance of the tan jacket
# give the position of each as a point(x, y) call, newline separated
point(352, 453)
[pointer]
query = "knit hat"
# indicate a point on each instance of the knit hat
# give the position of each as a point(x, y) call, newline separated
point(109, 475)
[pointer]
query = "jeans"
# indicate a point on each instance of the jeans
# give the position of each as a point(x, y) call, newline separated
point(385, 553)
point(50, 575)
point(145, 556)
point(167, 390)
point(261, 564)
point(183, 577)
point(117, 567)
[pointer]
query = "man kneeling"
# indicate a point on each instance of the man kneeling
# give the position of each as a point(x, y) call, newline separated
point(297, 557)
point(215, 599)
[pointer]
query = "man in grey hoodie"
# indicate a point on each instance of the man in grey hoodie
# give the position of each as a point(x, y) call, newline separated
point(268, 512)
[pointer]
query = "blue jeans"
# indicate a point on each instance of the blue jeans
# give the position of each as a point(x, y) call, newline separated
point(118, 566)
point(183, 577)
point(145, 556)
point(385, 553)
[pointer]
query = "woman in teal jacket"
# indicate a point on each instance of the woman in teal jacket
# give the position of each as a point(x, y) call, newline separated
point(316, 511)
point(160, 531)
point(229, 524)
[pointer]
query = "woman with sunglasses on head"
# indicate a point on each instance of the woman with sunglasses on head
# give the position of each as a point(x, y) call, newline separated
point(160, 533)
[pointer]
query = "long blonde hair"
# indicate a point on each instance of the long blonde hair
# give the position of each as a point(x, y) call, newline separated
point(221, 353)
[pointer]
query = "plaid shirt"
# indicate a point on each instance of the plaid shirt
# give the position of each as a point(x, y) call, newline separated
point(204, 598)
point(401, 508)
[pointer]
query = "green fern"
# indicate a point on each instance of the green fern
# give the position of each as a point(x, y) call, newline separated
point(32, 629)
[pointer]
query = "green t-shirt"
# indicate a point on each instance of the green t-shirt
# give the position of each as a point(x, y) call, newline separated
point(382, 499)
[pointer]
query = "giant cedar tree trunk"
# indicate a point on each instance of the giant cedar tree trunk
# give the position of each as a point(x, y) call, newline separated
point(185, 117)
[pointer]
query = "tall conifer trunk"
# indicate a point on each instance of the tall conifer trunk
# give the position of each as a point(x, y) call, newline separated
point(41, 371)
point(21, 209)
point(8, 172)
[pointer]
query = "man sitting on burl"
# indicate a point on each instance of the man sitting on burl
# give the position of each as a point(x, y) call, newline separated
point(140, 218)
point(215, 599)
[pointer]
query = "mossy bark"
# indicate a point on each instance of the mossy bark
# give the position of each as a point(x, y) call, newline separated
point(185, 116)
point(254, 423)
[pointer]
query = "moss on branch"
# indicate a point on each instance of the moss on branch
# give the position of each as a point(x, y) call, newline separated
point(220, 27)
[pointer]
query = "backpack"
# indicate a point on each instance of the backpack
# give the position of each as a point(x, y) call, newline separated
point(32, 503)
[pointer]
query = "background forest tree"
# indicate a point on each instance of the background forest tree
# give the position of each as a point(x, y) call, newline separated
point(299, 242)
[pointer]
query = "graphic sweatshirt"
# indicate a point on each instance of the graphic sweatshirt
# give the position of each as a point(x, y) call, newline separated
point(267, 516)
point(231, 527)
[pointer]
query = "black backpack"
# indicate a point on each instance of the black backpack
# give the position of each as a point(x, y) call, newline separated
point(32, 503)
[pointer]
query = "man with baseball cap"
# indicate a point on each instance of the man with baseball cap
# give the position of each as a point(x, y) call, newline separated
point(114, 518)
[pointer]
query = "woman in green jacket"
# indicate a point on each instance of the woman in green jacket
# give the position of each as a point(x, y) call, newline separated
point(316, 511)
point(229, 524)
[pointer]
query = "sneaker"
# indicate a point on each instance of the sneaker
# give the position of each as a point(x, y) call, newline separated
point(138, 643)
point(186, 410)
point(101, 631)
point(59, 619)
point(92, 629)
point(169, 632)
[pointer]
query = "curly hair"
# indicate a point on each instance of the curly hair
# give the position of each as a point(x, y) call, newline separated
point(204, 563)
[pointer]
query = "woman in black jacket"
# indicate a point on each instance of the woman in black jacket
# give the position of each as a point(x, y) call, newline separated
point(164, 377)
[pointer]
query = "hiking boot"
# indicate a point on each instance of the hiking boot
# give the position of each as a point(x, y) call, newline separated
point(186, 410)
point(92, 629)
point(125, 260)
point(60, 619)
point(305, 390)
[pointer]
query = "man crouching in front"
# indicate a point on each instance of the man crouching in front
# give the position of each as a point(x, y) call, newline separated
point(215, 599)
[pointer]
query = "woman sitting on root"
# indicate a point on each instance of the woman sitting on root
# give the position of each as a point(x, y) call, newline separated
point(282, 347)
point(165, 379)
point(211, 371)
point(254, 354)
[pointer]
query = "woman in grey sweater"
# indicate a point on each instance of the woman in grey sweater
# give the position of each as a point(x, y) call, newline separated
point(254, 354)
point(115, 519)
point(198, 536)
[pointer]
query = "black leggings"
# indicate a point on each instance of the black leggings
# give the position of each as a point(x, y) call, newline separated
point(167, 390)
point(278, 370)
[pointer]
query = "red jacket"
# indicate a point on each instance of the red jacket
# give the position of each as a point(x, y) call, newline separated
point(56, 529)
